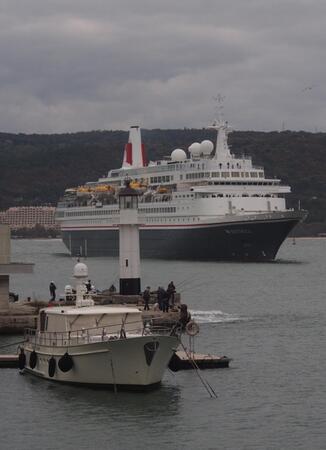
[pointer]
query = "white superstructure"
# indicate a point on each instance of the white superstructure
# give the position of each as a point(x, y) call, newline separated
point(181, 190)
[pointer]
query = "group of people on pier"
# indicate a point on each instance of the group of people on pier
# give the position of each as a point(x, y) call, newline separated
point(69, 291)
point(165, 298)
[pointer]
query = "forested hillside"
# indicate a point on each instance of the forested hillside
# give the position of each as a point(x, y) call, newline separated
point(36, 169)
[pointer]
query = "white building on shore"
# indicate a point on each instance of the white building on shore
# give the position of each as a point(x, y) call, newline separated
point(29, 217)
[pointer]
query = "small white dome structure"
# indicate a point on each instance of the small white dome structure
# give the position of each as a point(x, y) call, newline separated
point(68, 289)
point(178, 155)
point(194, 149)
point(80, 270)
point(81, 275)
point(206, 147)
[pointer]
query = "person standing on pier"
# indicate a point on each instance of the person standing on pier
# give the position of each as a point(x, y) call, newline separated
point(160, 297)
point(165, 301)
point(171, 291)
point(146, 297)
point(88, 286)
point(52, 289)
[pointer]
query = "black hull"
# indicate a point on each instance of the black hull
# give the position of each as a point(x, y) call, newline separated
point(241, 241)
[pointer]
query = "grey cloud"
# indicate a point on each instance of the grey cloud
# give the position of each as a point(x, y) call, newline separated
point(78, 65)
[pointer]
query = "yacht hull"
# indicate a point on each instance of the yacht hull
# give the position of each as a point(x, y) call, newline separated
point(121, 363)
point(254, 238)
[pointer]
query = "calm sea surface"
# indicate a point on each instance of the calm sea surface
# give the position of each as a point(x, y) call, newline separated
point(270, 318)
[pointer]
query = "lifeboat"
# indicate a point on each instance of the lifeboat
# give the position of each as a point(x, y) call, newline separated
point(161, 190)
point(83, 190)
point(71, 191)
point(138, 185)
point(135, 185)
point(104, 189)
point(101, 188)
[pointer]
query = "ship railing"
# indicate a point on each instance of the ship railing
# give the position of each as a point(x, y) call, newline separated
point(164, 326)
point(96, 334)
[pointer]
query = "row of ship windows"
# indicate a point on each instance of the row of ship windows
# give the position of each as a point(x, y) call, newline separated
point(150, 169)
point(172, 219)
point(172, 166)
point(162, 179)
point(155, 219)
point(170, 209)
point(184, 196)
point(169, 219)
point(243, 183)
point(196, 175)
point(223, 195)
point(97, 212)
point(236, 195)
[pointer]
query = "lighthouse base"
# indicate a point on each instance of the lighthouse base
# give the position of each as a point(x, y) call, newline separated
point(130, 286)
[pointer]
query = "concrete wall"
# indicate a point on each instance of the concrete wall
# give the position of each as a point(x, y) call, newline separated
point(4, 259)
point(4, 290)
point(4, 244)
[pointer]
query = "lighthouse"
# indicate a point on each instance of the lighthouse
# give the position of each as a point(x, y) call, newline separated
point(129, 255)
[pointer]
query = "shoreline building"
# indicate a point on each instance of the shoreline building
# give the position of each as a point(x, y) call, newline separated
point(29, 217)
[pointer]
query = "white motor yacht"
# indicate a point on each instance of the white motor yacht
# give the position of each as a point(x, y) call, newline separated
point(97, 345)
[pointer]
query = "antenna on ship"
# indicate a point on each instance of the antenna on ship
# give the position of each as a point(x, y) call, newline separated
point(222, 151)
point(219, 106)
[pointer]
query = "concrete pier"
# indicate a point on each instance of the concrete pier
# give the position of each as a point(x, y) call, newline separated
point(8, 361)
point(13, 317)
point(187, 361)
point(17, 318)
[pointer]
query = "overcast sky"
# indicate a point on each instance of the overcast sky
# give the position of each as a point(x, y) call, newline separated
point(70, 65)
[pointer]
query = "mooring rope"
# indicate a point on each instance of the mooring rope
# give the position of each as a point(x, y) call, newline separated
point(113, 375)
point(12, 343)
point(205, 383)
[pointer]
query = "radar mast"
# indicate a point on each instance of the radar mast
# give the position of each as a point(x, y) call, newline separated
point(222, 151)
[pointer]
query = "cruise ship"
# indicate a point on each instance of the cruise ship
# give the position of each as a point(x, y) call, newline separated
point(201, 204)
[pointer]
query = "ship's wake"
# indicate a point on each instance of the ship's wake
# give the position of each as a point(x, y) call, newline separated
point(214, 316)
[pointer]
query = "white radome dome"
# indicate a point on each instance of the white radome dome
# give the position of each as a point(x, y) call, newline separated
point(206, 147)
point(178, 155)
point(80, 270)
point(194, 149)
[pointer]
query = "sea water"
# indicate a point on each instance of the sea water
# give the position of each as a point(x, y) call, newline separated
point(268, 317)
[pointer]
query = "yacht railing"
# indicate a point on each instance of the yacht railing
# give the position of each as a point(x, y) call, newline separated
point(97, 334)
